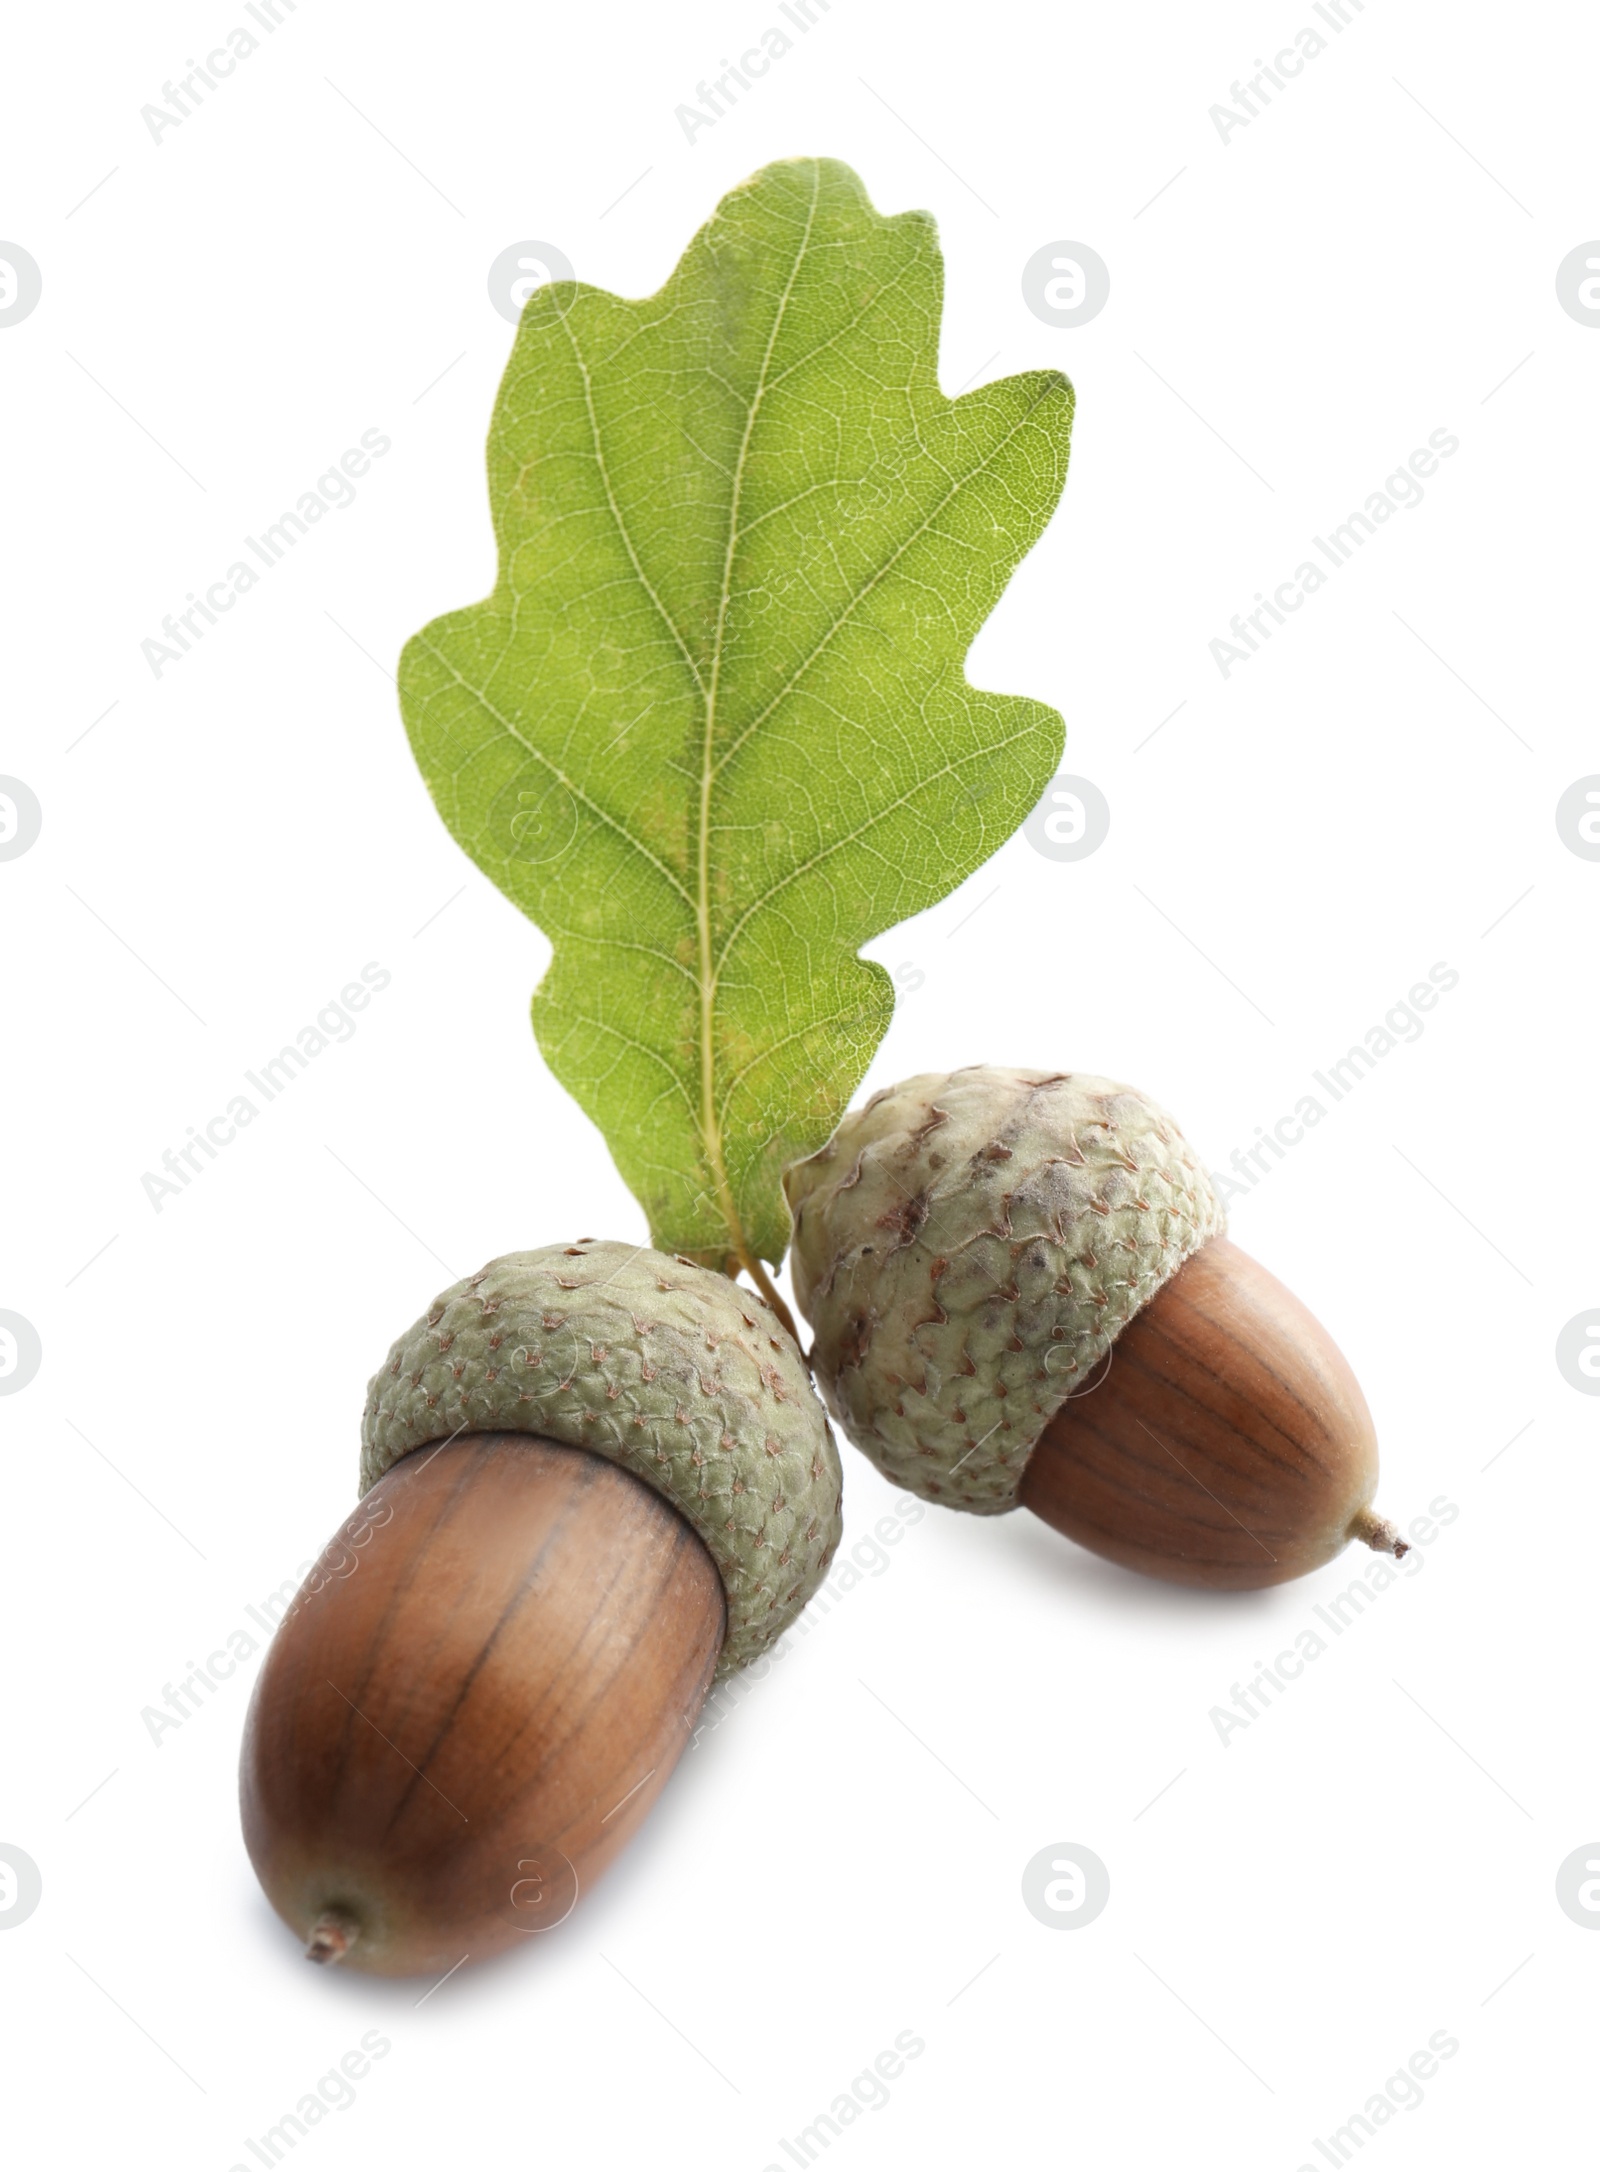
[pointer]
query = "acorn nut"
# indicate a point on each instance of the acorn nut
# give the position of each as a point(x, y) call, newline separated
point(593, 1478)
point(1022, 1292)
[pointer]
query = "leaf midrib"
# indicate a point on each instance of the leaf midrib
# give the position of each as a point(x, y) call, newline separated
point(709, 969)
point(705, 676)
point(710, 1119)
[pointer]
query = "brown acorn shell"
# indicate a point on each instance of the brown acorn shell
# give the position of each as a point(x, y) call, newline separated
point(1225, 1441)
point(478, 1694)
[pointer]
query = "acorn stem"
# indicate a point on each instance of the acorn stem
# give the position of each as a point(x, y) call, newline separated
point(768, 1288)
point(1378, 1533)
point(332, 1936)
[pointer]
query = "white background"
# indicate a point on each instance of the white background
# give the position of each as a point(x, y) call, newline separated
point(304, 258)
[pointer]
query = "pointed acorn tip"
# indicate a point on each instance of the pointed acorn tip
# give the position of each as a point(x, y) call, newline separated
point(332, 1936)
point(1378, 1533)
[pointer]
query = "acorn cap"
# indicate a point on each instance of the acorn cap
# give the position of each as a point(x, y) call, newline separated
point(968, 1246)
point(670, 1370)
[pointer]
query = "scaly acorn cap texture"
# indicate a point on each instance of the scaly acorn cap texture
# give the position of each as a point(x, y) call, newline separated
point(668, 1369)
point(968, 1246)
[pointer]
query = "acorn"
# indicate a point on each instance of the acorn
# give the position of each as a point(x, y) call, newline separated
point(594, 1479)
point(1022, 1293)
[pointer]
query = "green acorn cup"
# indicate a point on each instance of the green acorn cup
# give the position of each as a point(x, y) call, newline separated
point(593, 1478)
point(1022, 1293)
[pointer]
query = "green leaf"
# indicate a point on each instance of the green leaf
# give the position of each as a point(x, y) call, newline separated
point(712, 730)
